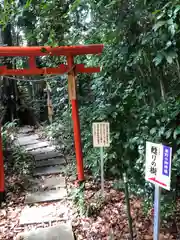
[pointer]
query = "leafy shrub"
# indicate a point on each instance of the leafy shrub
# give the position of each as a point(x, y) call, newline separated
point(23, 163)
point(7, 133)
point(16, 159)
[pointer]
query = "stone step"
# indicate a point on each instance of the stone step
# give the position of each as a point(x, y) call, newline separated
point(40, 144)
point(25, 138)
point(46, 196)
point(48, 155)
point(47, 170)
point(27, 143)
point(26, 130)
point(50, 162)
point(58, 232)
point(43, 214)
point(42, 150)
point(48, 183)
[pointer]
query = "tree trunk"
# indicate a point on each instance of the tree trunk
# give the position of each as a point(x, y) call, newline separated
point(10, 86)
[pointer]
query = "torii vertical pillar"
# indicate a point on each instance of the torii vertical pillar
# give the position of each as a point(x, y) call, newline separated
point(75, 117)
point(2, 181)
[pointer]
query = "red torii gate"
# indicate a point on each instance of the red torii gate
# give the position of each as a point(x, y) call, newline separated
point(72, 69)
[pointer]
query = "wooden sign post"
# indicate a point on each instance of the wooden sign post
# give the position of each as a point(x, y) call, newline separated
point(101, 138)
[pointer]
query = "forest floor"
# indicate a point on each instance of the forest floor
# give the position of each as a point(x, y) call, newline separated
point(108, 221)
point(105, 219)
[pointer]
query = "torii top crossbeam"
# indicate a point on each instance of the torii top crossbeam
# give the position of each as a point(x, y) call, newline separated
point(33, 52)
point(55, 51)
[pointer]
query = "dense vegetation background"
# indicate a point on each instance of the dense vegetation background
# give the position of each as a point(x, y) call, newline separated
point(138, 90)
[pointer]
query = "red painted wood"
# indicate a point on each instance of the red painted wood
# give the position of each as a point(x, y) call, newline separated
point(32, 62)
point(77, 131)
point(2, 181)
point(77, 140)
point(61, 69)
point(54, 51)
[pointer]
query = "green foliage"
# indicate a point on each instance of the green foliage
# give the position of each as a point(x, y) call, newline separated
point(61, 131)
point(16, 159)
point(23, 162)
point(9, 9)
point(77, 195)
point(167, 32)
point(7, 133)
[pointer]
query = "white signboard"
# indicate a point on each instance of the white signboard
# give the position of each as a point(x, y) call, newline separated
point(158, 164)
point(101, 133)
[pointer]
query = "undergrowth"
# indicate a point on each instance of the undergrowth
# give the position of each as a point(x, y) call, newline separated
point(16, 160)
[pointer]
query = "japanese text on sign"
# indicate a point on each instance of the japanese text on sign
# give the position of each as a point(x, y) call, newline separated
point(101, 134)
point(166, 161)
point(153, 167)
point(158, 164)
point(152, 157)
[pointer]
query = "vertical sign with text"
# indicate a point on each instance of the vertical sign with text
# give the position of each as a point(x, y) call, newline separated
point(101, 134)
point(158, 164)
point(164, 167)
point(101, 139)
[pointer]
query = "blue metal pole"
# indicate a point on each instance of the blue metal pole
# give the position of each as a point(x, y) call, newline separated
point(157, 212)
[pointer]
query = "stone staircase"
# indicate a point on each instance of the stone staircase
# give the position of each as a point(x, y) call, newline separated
point(46, 186)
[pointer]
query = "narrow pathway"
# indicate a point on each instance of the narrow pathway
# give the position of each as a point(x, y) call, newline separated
point(46, 187)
